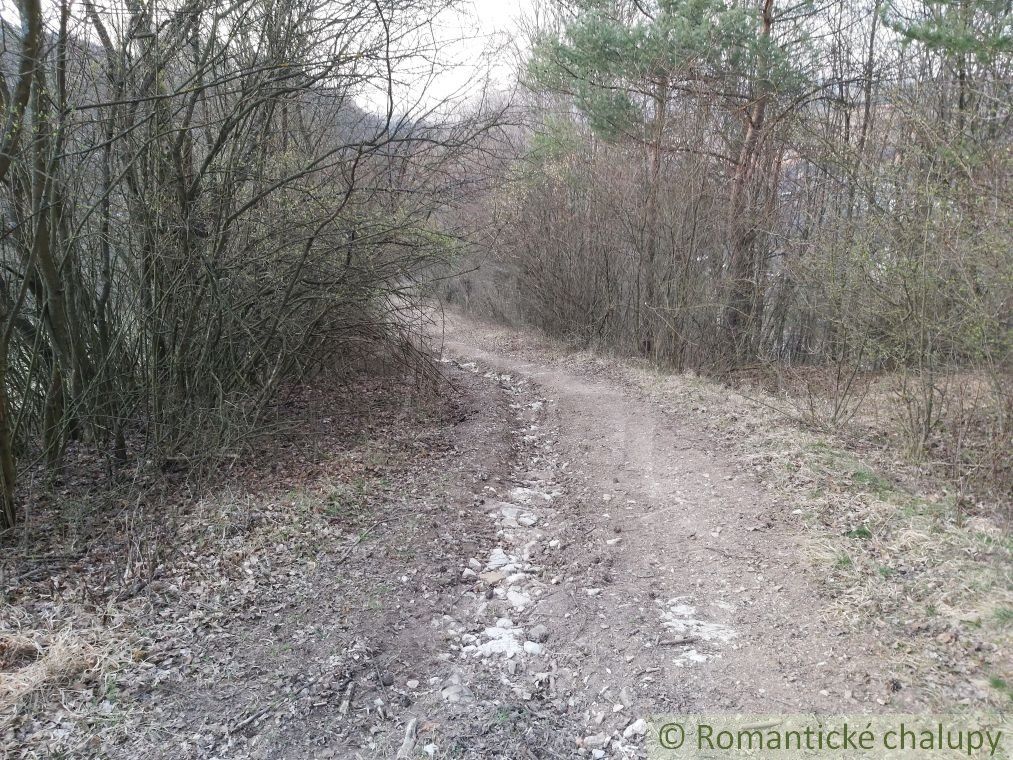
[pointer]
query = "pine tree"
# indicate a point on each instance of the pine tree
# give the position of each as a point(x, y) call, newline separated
point(624, 64)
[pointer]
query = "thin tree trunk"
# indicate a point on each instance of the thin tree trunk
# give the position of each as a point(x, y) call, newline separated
point(31, 24)
point(742, 280)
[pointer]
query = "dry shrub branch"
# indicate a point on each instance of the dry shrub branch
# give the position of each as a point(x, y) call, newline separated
point(198, 208)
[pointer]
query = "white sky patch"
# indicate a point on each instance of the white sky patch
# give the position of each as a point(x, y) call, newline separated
point(466, 51)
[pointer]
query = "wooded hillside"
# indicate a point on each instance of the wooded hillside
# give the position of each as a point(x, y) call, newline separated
point(198, 211)
point(815, 192)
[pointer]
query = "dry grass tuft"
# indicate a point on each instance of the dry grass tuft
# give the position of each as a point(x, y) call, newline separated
point(16, 651)
point(28, 666)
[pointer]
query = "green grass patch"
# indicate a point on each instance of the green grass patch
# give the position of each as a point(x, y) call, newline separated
point(869, 480)
point(347, 500)
point(1001, 685)
point(1004, 617)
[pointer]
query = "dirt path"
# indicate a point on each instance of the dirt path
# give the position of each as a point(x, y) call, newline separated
point(676, 576)
point(574, 557)
point(653, 569)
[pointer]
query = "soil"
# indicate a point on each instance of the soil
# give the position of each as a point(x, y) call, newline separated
point(570, 556)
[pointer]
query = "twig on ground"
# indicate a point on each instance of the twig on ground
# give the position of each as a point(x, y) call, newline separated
point(408, 745)
point(358, 540)
point(346, 702)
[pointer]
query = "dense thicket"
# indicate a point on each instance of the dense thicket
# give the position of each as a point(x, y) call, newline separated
point(728, 184)
point(196, 211)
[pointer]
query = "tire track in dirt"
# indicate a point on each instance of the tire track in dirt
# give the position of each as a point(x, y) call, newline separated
point(639, 569)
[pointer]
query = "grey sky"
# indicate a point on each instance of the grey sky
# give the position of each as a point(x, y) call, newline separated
point(475, 42)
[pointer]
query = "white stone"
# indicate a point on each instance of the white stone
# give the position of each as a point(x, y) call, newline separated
point(636, 728)
point(517, 599)
point(596, 741)
point(497, 559)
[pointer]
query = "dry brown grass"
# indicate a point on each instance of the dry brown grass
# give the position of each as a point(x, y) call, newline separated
point(958, 425)
point(29, 666)
point(898, 550)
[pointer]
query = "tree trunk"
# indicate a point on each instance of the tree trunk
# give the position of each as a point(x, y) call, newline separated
point(743, 282)
point(31, 24)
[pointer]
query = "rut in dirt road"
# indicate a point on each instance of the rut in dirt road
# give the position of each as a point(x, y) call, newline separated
point(639, 569)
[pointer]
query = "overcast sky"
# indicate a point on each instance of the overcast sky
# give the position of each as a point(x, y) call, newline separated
point(479, 40)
